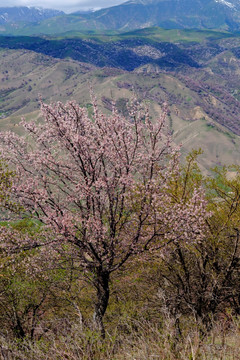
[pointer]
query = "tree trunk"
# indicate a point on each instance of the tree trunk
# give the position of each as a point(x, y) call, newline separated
point(18, 330)
point(102, 285)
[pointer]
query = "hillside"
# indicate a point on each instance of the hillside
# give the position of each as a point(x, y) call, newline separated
point(124, 54)
point(207, 63)
point(193, 112)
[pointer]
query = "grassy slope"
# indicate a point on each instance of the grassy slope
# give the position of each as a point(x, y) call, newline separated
point(154, 33)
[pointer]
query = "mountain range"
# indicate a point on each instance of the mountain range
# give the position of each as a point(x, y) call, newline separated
point(133, 14)
point(170, 14)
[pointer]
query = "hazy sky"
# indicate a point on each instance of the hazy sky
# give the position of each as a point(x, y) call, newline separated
point(65, 5)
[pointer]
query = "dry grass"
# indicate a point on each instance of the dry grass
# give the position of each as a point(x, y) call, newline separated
point(130, 340)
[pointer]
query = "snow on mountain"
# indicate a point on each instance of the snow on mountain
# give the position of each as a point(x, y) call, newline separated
point(227, 3)
point(26, 14)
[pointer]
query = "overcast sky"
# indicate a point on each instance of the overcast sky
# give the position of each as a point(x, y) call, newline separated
point(65, 5)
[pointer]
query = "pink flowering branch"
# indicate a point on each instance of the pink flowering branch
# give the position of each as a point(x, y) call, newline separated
point(101, 184)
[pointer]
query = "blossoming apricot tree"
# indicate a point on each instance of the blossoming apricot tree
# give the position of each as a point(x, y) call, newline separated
point(100, 184)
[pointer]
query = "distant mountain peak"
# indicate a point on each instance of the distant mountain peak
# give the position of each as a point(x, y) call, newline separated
point(27, 14)
point(227, 3)
point(170, 14)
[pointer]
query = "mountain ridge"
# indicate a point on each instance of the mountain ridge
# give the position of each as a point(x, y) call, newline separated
point(135, 14)
point(172, 14)
point(26, 13)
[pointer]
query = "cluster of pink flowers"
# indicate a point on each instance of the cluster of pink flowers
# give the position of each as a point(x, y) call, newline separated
point(101, 183)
